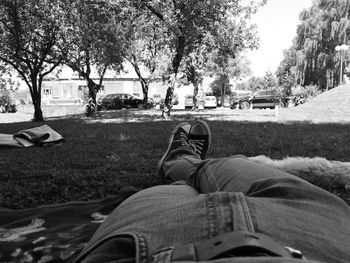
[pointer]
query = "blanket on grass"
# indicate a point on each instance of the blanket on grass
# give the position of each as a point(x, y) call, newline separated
point(41, 135)
point(57, 233)
point(54, 233)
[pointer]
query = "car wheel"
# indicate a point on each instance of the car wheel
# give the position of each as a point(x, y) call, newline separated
point(140, 106)
point(245, 105)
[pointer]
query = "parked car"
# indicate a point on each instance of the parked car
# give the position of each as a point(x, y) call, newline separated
point(210, 102)
point(121, 100)
point(226, 103)
point(188, 101)
point(264, 99)
point(238, 95)
point(157, 98)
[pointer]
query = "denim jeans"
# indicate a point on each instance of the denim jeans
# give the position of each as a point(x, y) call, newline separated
point(216, 196)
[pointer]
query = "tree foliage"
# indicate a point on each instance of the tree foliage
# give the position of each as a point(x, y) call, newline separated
point(267, 82)
point(190, 22)
point(29, 31)
point(94, 38)
point(158, 37)
point(287, 71)
point(148, 51)
point(313, 58)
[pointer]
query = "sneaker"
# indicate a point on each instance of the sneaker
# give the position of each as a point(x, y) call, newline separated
point(178, 138)
point(200, 138)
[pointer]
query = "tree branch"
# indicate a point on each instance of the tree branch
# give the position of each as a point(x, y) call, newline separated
point(175, 30)
point(20, 72)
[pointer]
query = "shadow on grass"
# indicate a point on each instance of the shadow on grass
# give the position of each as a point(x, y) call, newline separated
point(98, 158)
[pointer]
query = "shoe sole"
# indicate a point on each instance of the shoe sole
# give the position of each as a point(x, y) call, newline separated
point(161, 161)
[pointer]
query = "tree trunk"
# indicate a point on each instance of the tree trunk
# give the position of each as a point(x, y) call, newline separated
point(168, 100)
point(38, 114)
point(35, 92)
point(222, 94)
point(180, 50)
point(145, 87)
point(144, 82)
point(195, 94)
point(91, 108)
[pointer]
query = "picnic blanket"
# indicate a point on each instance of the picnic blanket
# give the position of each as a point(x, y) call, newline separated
point(35, 136)
point(54, 233)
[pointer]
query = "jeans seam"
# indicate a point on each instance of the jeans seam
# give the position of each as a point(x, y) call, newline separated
point(248, 218)
point(141, 249)
point(211, 215)
point(212, 183)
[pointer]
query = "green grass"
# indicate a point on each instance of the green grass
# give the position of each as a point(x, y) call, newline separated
point(98, 159)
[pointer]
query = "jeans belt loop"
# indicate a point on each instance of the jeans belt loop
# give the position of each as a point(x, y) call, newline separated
point(233, 244)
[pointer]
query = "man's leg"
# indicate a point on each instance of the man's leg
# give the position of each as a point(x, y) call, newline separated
point(187, 147)
point(184, 160)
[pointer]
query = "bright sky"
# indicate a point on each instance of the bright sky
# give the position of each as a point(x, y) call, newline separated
point(277, 23)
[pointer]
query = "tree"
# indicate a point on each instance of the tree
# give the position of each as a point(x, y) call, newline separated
point(94, 39)
point(194, 68)
point(189, 21)
point(29, 31)
point(270, 81)
point(221, 87)
point(148, 51)
point(253, 84)
point(7, 88)
point(226, 47)
point(235, 69)
point(323, 26)
point(286, 71)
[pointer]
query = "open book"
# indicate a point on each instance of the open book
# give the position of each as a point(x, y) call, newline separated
point(35, 136)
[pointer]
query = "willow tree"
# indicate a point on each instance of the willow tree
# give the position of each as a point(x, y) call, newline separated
point(29, 32)
point(325, 25)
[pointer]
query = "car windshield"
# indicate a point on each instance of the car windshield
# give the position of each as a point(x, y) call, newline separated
point(266, 93)
point(240, 94)
point(261, 93)
point(110, 96)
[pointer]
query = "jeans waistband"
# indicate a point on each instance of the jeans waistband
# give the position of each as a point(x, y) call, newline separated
point(231, 244)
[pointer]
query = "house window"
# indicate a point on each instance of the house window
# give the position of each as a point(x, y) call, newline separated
point(47, 91)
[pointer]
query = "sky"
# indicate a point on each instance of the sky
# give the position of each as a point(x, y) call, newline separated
point(277, 23)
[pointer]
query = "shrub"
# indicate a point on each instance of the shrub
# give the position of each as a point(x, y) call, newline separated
point(6, 102)
point(303, 94)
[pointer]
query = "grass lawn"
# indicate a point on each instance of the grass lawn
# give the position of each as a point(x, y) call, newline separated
point(102, 155)
point(122, 148)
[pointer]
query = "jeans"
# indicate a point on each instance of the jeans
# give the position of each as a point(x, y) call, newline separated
point(216, 196)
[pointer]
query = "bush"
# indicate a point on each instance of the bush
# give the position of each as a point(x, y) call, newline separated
point(303, 94)
point(6, 102)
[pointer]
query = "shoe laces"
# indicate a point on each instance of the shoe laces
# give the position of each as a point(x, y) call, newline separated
point(197, 145)
point(183, 138)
